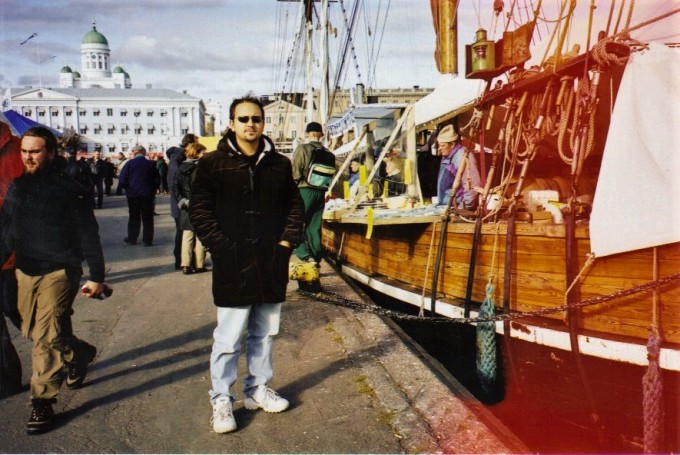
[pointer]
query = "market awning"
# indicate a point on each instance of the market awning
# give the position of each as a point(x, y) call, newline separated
point(451, 96)
point(382, 116)
point(19, 123)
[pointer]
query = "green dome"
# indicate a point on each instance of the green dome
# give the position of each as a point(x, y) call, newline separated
point(118, 69)
point(94, 37)
point(76, 75)
point(66, 69)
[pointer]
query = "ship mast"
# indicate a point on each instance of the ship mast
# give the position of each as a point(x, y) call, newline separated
point(309, 60)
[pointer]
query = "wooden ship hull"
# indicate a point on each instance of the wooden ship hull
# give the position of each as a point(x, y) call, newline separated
point(574, 322)
point(612, 336)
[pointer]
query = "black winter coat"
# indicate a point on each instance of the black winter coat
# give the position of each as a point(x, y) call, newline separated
point(181, 191)
point(240, 214)
point(46, 220)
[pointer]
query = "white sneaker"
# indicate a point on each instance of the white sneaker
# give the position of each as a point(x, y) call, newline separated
point(265, 398)
point(222, 419)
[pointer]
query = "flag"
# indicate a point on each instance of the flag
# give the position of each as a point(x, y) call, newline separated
point(516, 45)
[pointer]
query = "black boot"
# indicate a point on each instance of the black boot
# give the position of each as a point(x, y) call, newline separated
point(77, 369)
point(42, 416)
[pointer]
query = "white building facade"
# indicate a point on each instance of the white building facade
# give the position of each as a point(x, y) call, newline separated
point(100, 105)
point(114, 120)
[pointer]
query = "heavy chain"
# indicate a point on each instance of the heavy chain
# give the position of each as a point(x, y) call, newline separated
point(336, 299)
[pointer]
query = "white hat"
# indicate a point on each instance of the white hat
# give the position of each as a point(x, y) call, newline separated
point(447, 134)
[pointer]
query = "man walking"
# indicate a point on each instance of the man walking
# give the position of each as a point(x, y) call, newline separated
point(47, 221)
point(247, 211)
point(99, 170)
point(140, 179)
point(314, 197)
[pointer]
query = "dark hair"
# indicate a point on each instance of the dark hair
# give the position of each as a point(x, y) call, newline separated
point(44, 133)
point(244, 99)
point(314, 127)
point(189, 138)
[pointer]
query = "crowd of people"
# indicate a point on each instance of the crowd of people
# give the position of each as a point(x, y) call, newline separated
point(247, 207)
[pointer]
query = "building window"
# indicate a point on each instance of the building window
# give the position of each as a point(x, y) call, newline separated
point(41, 113)
point(282, 119)
point(55, 113)
point(123, 112)
point(95, 112)
point(149, 113)
point(185, 130)
point(164, 112)
point(28, 112)
point(111, 129)
point(138, 129)
point(111, 148)
point(68, 112)
point(268, 120)
point(150, 129)
point(83, 129)
point(97, 129)
point(109, 112)
point(293, 134)
point(82, 112)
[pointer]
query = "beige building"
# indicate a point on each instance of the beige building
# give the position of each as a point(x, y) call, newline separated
point(285, 121)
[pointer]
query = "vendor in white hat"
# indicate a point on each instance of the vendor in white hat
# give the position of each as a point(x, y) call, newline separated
point(450, 149)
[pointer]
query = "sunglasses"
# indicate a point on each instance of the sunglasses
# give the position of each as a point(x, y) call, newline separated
point(245, 119)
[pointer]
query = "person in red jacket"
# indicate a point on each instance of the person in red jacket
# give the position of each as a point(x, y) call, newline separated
point(11, 167)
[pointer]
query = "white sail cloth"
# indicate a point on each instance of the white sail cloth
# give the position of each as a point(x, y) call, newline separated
point(451, 96)
point(637, 201)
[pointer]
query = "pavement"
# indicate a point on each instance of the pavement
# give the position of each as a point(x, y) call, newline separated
point(356, 383)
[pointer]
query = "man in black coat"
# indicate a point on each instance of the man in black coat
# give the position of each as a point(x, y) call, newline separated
point(247, 211)
point(47, 222)
point(140, 180)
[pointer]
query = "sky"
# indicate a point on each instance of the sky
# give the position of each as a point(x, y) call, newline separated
point(221, 49)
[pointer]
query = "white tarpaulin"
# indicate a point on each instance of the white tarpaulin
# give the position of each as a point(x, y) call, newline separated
point(637, 201)
point(450, 94)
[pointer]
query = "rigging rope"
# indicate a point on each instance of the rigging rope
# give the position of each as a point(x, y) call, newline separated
point(427, 269)
point(652, 384)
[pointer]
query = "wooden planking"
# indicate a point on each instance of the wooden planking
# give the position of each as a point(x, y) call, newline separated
point(401, 254)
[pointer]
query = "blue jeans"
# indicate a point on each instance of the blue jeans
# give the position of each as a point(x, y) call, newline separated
point(261, 323)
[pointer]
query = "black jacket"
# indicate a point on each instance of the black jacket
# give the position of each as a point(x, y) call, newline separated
point(240, 212)
point(47, 218)
point(175, 157)
point(181, 191)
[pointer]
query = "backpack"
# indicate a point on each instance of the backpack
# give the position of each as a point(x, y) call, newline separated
point(321, 169)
